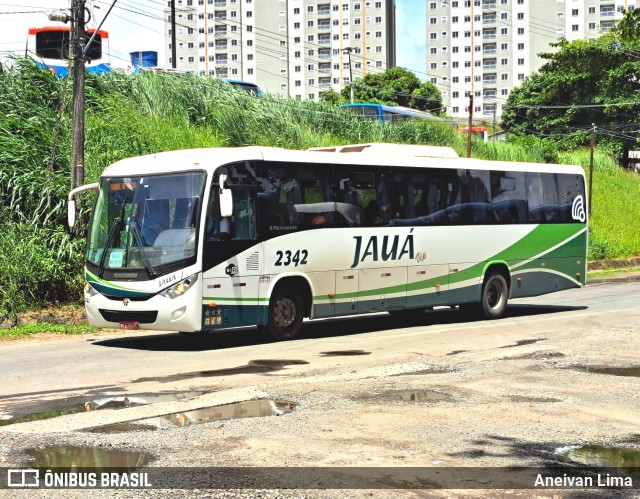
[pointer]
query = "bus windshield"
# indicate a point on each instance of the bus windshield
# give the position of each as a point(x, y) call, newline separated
point(145, 222)
point(55, 45)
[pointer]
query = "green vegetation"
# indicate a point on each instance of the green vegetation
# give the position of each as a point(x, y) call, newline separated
point(41, 263)
point(393, 87)
point(43, 327)
point(583, 82)
point(614, 228)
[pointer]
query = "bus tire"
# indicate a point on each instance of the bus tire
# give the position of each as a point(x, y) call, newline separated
point(285, 313)
point(495, 294)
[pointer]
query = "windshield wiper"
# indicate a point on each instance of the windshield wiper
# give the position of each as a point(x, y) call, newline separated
point(147, 264)
point(112, 231)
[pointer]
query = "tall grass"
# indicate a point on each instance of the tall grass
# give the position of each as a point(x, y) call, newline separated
point(32, 144)
point(129, 115)
point(614, 225)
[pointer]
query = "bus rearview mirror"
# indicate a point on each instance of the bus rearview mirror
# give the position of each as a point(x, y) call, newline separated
point(71, 213)
point(226, 198)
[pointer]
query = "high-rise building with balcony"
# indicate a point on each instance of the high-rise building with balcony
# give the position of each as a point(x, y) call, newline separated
point(291, 47)
point(488, 47)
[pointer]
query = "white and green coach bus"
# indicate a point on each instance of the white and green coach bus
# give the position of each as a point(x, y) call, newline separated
point(206, 239)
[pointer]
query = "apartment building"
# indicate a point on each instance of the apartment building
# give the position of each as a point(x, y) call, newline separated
point(488, 47)
point(291, 47)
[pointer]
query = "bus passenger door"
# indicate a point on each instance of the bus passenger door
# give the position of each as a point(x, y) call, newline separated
point(346, 302)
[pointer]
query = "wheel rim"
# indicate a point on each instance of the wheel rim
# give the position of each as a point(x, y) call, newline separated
point(494, 294)
point(284, 313)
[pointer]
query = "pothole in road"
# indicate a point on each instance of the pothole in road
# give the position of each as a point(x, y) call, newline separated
point(623, 458)
point(74, 405)
point(416, 396)
point(344, 353)
point(248, 409)
point(68, 456)
point(633, 371)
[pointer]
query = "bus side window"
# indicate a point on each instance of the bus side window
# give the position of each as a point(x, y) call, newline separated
point(368, 195)
point(278, 194)
point(542, 197)
point(468, 199)
point(241, 225)
point(569, 187)
point(243, 219)
point(508, 198)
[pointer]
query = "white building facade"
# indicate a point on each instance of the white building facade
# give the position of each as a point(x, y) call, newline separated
point(297, 48)
point(488, 47)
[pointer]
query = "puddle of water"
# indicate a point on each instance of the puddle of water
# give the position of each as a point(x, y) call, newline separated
point(340, 353)
point(417, 396)
point(633, 371)
point(248, 409)
point(615, 457)
point(56, 408)
point(520, 343)
point(68, 456)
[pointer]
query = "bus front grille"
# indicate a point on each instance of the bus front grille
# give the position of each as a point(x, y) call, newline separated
point(142, 317)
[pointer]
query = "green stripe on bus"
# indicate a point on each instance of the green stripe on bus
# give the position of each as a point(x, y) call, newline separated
point(94, 278)
point(533, 244)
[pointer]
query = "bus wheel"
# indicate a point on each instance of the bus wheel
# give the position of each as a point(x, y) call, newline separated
point(495, 293)
point(285, 313)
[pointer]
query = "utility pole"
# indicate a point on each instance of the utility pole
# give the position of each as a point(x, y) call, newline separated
point(593, 142)
point(469, 125)
point(77, 43)
point(495, 108)
point(348, 51)
point(173, 34)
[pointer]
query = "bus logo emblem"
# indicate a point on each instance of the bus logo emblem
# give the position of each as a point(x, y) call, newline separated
point(577, 210)
point(125, 302)
point(231, 270)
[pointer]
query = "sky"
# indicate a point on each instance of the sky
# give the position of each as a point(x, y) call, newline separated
point(131, 31)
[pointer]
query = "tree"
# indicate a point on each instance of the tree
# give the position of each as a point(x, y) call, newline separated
point(395, 87)
point(331, 97)
point(427, 97)
point(570, 92)
point(627, 28)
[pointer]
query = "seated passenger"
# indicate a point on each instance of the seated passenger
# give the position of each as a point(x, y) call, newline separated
point(318, 221)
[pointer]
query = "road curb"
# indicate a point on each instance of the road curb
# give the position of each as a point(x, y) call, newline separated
point(628, 277)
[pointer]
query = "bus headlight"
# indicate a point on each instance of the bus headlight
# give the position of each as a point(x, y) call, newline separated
point(89, 289)
point(180, 288)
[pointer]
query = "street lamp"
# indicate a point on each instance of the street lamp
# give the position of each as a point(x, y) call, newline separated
point(61, 17)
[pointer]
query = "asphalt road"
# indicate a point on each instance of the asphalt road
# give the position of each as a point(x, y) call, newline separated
point(361, 391)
